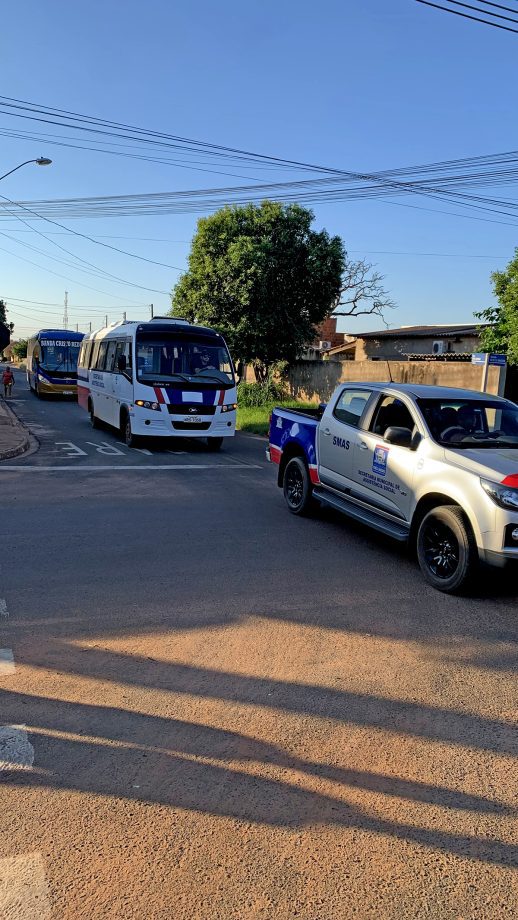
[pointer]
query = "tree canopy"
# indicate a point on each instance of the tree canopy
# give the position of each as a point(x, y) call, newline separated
point(20, 348)
point(263, 278)
point(502, 333)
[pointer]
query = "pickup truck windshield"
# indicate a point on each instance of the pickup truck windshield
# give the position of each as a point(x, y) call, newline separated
point(470, 423)
point(178, 361)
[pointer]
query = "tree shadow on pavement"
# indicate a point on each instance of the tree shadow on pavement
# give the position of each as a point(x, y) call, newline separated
point(125, 749)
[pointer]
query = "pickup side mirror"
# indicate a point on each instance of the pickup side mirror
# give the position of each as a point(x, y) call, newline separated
point(402, 437)
point(122, 363)
point(321, 409)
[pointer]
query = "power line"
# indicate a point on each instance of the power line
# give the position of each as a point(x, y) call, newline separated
point(58, 274)
point(486, 22)
point(468, 6)
point(96, 242)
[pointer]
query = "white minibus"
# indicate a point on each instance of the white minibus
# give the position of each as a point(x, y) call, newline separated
point(162, 378)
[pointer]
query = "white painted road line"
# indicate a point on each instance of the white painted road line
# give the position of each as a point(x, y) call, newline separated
point(16, 751)
point(6, 662)
point(123, 466)
point(24, 890)
point(3, 608)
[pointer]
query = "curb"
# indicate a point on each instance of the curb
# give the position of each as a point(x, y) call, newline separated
point(16, 423)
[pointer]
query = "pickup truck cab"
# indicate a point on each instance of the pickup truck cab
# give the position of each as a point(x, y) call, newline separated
point(434, 467)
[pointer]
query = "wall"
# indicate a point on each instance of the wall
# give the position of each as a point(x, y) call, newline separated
point(419, 345)
point(316, 380)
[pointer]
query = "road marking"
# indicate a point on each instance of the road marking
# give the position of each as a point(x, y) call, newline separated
point(122, 466)
point(106, 448)
point(24, 890)
point(73, 449)
point(16, 751)
point(3, 608)
point(6, 662)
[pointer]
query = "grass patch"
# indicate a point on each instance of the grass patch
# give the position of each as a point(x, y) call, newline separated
point(256, 419)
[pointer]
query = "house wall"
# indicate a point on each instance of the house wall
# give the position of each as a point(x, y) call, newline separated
point(315, 381)
point(418, 345)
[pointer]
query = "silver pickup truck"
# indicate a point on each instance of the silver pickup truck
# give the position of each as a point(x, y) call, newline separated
point(432, 466)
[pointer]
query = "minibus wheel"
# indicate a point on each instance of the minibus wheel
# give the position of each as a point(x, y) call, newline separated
point(214, 443)
point(94, 421)
point(127, 435)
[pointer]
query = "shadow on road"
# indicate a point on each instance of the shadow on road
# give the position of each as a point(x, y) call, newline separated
point(162, 771)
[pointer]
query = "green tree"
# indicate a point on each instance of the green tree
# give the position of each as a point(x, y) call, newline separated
point(502, 333)
point(3, 316)
point(263, 278)
point(20, 348)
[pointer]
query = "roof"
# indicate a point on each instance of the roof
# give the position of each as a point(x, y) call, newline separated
point(421, 390)
point(413, 331)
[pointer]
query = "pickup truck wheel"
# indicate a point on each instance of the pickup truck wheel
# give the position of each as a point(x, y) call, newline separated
point(446, 549)
point(297, 486)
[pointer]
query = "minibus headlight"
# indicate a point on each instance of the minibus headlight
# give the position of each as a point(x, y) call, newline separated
point(502, 494)
point(41, 377)
point(229, 407)
point(145, 404)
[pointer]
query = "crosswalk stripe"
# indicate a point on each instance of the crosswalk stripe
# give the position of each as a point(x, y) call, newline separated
point(7, 665)
point(16, 751)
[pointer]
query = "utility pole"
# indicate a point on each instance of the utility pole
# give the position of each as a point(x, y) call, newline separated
point(124, 317)
point(151, 307)
point(90, 325)
point(77, 327)
point(106, 320)
point(65, 314)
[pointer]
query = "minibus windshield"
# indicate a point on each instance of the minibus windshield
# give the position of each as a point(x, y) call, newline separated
point(175, 360)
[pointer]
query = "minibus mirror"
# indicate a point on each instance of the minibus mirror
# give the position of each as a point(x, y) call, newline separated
point(122, 363)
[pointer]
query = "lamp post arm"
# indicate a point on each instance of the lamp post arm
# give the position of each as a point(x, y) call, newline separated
point(16, 167)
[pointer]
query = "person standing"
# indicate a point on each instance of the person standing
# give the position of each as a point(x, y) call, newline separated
point(7, 380)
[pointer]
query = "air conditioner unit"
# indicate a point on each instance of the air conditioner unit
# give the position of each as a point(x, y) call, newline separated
point(439, 347)
point(324, 346)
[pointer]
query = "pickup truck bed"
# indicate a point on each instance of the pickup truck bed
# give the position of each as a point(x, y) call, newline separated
point(296, 428)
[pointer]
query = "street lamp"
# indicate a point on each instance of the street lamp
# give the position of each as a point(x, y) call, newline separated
point(41, 161)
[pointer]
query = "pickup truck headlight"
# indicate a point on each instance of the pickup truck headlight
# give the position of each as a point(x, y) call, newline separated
point(503, 495)
point(229, 407)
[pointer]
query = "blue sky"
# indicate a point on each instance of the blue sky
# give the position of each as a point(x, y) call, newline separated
point(355, 84)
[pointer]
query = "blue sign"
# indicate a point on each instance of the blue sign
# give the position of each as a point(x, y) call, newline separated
point(479, 357)
point(379, 460)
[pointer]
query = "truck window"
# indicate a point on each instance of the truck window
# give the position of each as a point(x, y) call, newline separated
point(391, 412)
point(351, 406)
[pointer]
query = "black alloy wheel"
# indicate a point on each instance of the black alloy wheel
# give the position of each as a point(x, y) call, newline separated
point(446, 549)
point(297, 486)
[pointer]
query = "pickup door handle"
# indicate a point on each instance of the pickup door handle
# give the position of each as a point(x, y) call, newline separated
point(363, 445)
point(326, 431)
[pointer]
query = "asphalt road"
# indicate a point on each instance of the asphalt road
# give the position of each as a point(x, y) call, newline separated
point(212, 709)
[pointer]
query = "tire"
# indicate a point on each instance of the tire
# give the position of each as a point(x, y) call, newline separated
point(296, 486)
point(214, 443)
point(94, 421)
point(128, 437)
point(446, 549)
